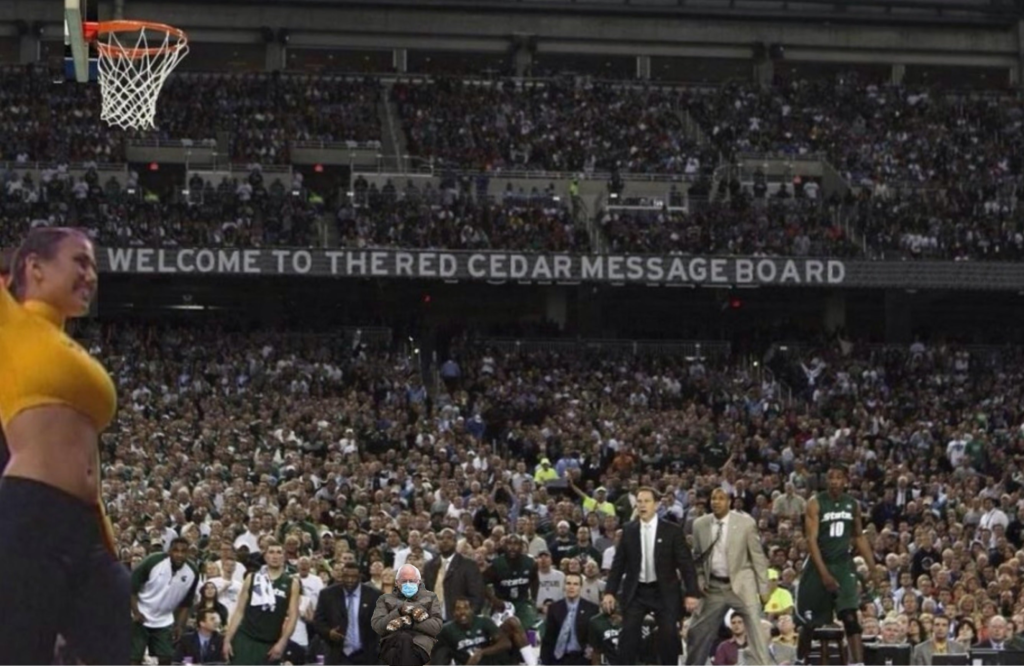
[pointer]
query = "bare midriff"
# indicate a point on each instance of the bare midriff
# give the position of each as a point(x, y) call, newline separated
point(55, 445)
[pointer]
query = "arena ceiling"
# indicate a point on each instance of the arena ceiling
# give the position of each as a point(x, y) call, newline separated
point(940, 11)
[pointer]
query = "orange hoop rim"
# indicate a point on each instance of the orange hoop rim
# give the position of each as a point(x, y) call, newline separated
point(93, 30)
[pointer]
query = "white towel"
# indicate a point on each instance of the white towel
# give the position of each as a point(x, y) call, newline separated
point(262, 593)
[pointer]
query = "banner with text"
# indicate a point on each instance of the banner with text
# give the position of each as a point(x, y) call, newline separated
point(542, 268)
point(490, 266)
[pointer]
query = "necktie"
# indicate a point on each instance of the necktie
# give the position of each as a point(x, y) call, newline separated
point(352, 630)
point(439, 586)
point(203, 644)
point(565, 635)
point(648, 555)
point(714, 542)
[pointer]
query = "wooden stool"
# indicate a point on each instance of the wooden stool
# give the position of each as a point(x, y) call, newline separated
point(828, 637)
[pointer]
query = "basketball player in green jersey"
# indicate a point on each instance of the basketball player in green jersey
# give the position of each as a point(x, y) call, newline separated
point(603, 633)
point(265, 617)
point(512, 585)
point(472, 639)
point(514, 579)
point(828, 583)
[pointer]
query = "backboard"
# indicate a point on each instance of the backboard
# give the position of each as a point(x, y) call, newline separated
point(75, 13)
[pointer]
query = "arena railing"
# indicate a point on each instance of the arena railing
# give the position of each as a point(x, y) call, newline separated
point(804, 349)
point(340, 144)
point(158, 142)
point(239, 168)
point(952, 346)
point(898, 187)
point(71, 166)
point(781, 156)
point(424, 167)
point(583, 80)
point(374, 336)
point(348, 77)
point(690, 349)
point(763, 374)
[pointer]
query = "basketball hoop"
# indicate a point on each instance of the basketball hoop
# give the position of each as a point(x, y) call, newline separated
point(135, 58)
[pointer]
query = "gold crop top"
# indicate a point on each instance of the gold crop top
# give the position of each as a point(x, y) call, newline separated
point(41, 365)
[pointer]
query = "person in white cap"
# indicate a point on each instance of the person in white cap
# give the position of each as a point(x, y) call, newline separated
point(562, 544)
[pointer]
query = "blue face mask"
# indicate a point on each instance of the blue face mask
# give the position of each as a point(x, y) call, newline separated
point(409, 589)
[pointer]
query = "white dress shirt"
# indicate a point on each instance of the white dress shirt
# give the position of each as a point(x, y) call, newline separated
point(607, 558)
point(719, 558)
point(446, 564)
point(648, 533)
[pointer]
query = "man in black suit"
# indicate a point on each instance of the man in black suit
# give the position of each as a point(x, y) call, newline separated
point(566, 626)
point(652, 572)
point(350, 640)
point(205, 644)
point(461, 577)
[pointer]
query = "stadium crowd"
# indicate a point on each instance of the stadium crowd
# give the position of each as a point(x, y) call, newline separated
point(871, 133)
point(934, 174)
point(46, 121)
point(458, 216)
point(343, 453)
point(243, 212)
point(937, 173)
point(555, 126)
point(264, 112)
point(741, 226)
point(960, 224)
point(250, 211)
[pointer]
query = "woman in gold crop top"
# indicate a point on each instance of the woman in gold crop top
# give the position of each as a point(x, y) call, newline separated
point(6, 259)
point(60, 574)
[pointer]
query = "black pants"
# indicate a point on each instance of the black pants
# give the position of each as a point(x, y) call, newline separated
point(398, 649)
point(57, 577)
point(648, 599)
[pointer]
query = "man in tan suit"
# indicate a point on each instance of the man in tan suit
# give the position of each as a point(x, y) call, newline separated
point(733, 573)
point(938, 644)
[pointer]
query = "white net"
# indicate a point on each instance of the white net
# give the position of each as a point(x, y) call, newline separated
point(134, 61)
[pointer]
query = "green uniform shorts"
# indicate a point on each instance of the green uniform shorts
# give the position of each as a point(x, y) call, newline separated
point(249, 651)
point(159, 641)
point(526, 612)
point(817, 606)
